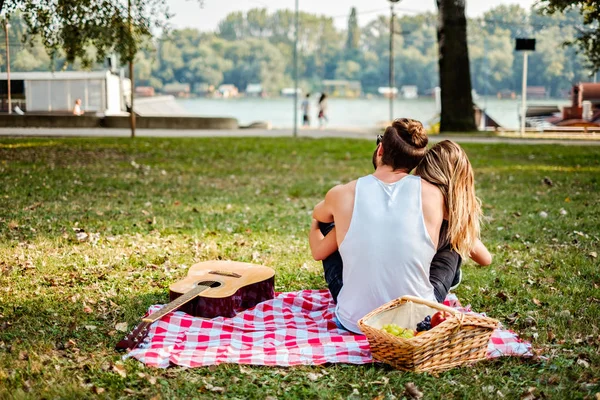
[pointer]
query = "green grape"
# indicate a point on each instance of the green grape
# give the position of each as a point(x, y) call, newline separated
point(396, 330)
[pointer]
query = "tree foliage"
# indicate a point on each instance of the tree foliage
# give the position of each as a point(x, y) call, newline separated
point(76, 26)
point(194, 57)
point(587, 32)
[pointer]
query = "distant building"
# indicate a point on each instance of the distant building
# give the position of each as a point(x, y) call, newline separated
point(506, 94)
point(177, 89)
point(144, 91)
point(288, 92)
point(342, 88)
point(203, 89)
point(536, 92)
point(409, 91)
point(228, 90)
point(254, 90)
point(99, 91)
point(387, 91)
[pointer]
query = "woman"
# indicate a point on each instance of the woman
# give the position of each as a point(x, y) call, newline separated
point(447, 170)
point(322, 116)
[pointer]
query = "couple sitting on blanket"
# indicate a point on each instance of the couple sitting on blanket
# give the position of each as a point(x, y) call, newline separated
point(391, 234)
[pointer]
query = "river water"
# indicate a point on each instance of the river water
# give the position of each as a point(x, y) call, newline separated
point(347, 113)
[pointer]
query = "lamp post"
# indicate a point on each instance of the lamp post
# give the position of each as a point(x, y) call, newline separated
point(391, 83)
point(525, 45)
point(131, 77)
point(296, 71)
point(6, 26)
point(485, 77)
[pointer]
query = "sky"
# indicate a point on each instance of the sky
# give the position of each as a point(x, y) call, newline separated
point(189, 13)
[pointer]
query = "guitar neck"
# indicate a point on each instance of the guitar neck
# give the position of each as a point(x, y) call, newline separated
point(175, 304)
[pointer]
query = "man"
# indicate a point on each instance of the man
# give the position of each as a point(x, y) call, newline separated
point(305, 106)
point(77, 110)
point(387, 227)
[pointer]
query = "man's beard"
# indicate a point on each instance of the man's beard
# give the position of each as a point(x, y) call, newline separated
point(375, 159)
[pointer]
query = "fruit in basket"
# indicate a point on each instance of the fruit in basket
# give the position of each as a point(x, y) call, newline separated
point(439, 317)
point(396, 330)
point(424, 325)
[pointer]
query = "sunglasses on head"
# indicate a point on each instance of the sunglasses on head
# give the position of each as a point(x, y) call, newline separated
point(379, 139)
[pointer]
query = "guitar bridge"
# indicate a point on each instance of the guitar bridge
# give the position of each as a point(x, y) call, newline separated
point(225, 273)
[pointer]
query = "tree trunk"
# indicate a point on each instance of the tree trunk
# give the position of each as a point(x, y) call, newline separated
point(455, 77)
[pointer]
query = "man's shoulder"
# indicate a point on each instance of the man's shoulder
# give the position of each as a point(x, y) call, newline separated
point(342, 190)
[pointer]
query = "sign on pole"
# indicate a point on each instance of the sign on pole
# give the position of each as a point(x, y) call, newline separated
point(525, 45)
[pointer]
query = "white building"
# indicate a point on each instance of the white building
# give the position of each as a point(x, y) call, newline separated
point(100, 92)
point(409, 92)
point(387, 91)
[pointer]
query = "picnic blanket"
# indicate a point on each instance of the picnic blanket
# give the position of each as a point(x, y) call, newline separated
point(295, 328)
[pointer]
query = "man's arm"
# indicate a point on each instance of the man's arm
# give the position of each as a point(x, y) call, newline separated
point(321, 246)
point(323, 211)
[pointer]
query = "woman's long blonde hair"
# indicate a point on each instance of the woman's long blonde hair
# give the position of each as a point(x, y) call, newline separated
point(447, 166)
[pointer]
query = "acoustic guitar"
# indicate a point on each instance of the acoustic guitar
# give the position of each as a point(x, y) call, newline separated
point(211, 289)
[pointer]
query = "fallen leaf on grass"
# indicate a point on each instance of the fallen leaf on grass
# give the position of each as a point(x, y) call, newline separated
point(529, 394)
point(593, 254)
point(121, 327)
point(537, 302)
point(584, 363)
point(312, 376)
point(502, 296)
point(81, 236)
point(216, 389)
point(384, 381)
point(245, 370)
point(98, 390)
point(413, 391)
point(120, 369)
point(90, 327)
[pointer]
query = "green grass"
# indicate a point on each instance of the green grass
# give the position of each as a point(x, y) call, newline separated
point(154, 206)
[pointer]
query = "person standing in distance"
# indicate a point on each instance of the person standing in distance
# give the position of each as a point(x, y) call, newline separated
point(305, 107)
point(322, 116)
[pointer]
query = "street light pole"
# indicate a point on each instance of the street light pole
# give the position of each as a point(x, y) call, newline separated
point(6, 25)
point(391, 83)
point(524, 94)
point(296, 72)
point(485, 78)
point(131, 77)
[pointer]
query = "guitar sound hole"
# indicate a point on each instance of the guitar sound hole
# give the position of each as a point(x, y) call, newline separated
point(211, 284)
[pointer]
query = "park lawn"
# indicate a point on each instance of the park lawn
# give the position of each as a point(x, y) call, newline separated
point(152, 207)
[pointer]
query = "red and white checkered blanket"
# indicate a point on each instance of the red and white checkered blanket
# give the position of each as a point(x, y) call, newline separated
point(295, 328)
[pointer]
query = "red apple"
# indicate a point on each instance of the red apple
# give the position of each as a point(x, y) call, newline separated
point(439, 317)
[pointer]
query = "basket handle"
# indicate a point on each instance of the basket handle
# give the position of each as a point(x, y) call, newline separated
point(431, 304)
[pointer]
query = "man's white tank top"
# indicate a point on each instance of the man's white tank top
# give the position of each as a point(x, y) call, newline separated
point(387, 250)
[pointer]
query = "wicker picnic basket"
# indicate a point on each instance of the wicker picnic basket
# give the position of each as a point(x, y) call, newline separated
point(460, 339)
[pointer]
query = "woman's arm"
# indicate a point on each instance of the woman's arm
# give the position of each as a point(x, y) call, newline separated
point(321, 246)
point(480, 254)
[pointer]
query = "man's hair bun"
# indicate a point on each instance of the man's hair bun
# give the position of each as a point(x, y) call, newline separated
point(412, 131)
point(418, 133)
